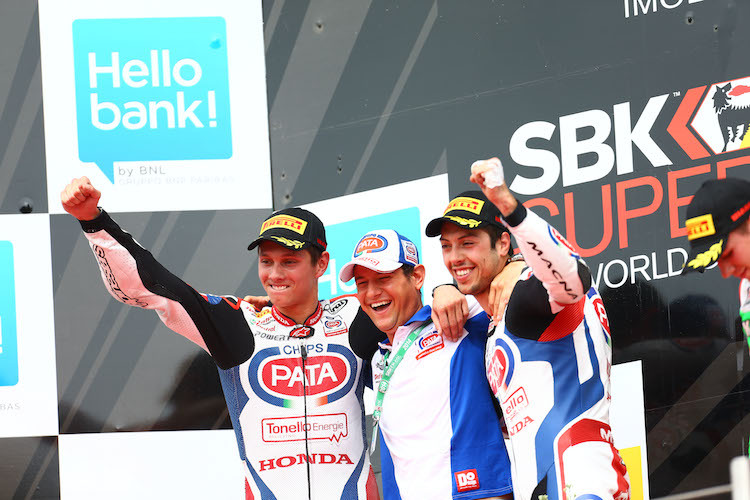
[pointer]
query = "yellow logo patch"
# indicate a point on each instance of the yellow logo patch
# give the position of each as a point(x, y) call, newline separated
point(472, 223)
point(465, 203)
point(285, 221)
point(698, 227)
point(708, 257)
point(290, 243)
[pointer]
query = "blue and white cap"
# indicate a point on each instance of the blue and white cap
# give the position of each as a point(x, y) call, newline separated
point(383, 250)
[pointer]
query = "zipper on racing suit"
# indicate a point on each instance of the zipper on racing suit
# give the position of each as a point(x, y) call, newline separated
point(303, 355)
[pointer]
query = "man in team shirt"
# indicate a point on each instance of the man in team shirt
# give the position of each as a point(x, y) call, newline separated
point(440, 435)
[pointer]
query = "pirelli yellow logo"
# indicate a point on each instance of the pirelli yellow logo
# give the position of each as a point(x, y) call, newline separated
point(471, 223)
point(465, 203)
point(708, 257)
point(285, 221)
point(698, 227)
point(290, 243)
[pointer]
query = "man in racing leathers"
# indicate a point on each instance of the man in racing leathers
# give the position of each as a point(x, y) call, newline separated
point(548, 359)
point(292, 374)
point(718, 224)
point(440, 434)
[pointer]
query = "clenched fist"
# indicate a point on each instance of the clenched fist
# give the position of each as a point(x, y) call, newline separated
point(81, 199)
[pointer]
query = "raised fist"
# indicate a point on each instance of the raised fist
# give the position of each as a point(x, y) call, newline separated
point(81, 199)
point(487, 173)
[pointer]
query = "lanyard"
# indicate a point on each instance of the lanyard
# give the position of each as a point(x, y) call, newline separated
point(388, 372)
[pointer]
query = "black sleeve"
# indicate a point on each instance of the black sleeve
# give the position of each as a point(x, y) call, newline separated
point(529, 312)
point(218, 320)
point(364, 336)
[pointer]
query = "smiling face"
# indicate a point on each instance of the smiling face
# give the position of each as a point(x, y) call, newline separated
point(735, 259)
point(290, 278)
point(389, 299)
point(472, 259)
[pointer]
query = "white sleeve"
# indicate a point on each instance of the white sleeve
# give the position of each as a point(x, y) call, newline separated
point(552, 259)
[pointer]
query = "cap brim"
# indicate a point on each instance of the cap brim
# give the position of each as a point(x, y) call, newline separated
point(347, 272)
point(704, 254)
point(279, 241)
point(435, 226)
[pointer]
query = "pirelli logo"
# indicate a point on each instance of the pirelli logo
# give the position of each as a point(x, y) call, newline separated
point(286, 222)
point(465, 203)
point(699, 227)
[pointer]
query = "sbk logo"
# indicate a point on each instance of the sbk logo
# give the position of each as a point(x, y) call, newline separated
point(710, 120)
point(282, 380)
point(467, 480)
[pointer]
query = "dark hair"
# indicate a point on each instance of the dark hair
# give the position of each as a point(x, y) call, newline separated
point(495, 233)
point(408, 270)
point(315, 253)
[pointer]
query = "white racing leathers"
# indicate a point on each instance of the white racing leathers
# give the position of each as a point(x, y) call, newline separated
point(294, 392)
point(548, 363)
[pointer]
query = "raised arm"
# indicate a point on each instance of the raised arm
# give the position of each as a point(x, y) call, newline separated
point(133, 276)
point(552, 259)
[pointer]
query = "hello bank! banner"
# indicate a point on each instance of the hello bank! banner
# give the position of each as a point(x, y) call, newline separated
point(162, 106)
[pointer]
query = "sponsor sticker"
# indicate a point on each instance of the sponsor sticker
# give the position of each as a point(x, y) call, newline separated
point(286, 222)
point(282, 379)
point(301, 459)
point(467, 480)
point(301, 332)
point(698, 227)
point(370, 243)
point(515, 403)
point(410, 252)
point(334, 326)
point(334, 307)
point(601, 313)
point(465, 203)
point(328, 427)
point(520, 425)
point(499, 367)
point(428, 344)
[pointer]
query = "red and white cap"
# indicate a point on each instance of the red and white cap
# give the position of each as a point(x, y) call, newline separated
point(384, 251)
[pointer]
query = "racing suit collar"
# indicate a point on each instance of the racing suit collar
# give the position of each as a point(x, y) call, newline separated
point(311, 320)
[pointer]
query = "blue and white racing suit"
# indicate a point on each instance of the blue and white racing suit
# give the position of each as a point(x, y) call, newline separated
point(548, 362)
point(294, 392)
point(440, 432)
